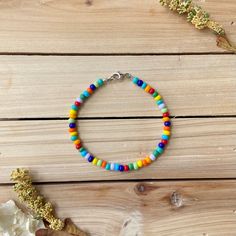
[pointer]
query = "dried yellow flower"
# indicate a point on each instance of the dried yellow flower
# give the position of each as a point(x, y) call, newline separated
point(29, 195)
point(200, 19)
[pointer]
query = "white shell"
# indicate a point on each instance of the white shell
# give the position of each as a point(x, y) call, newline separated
point(14, 222)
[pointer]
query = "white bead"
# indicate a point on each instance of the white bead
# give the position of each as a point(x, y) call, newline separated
point(152, 157)
point(79, 100)
point(87, 155)
point(112, 167)
point(161, 106)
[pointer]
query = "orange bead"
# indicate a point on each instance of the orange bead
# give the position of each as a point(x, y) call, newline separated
point(166, 127)
point(77, 142)
point(144, 162)
point(72, 129)
point(104, 163)
point(148, 160)
point(90, 90)
point(147, 88)
point(73, 116)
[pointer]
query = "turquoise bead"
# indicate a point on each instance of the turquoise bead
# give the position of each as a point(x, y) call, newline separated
point(100, 82)
point(144, 85)
point(135, 80)
point(84, 153)
point(74, 107)
point(73, 138)
point(86, 94)
point(160, 150)
point(155, 153)
point(159, 102)
point(135, 165)
point(108, 166)
point(165, 137)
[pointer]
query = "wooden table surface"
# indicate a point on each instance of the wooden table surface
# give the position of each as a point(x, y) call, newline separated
point(52, 50)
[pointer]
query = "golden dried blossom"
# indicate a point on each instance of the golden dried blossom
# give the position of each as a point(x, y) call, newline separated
point(200, 19)
point(29, 195)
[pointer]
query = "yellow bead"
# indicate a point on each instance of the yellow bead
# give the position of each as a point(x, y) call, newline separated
point(74, 133)
point(73, 116)
point(95, 160)
point(147, 88)
point(73, 112)
point(158, 97)
point(166, 132)
point(165, 118)
point(77, 141)
point(140, 163)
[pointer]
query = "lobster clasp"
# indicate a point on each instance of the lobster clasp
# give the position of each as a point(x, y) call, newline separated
point(118, 76)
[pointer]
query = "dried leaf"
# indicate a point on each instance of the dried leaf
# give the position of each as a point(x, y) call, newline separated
point(223, 42)
point(69, 229)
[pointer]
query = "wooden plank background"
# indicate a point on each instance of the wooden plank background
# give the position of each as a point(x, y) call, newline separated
point(51, 50)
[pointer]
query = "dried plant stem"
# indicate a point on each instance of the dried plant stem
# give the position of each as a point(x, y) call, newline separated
point(200, 19)
point(29, 195)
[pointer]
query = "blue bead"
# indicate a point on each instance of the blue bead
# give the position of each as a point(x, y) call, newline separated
point(140, 83)
point(73, 138)
point(92, 86)
point(121, 168)
point(167, 123)
point(165, 137)
point(86, 94)
point(144, 85)
point(117, 167)
point(90, 159)
point(135, 80)
point(161, 145)
point(72, 125)
point(83, 153)
point(160, 150)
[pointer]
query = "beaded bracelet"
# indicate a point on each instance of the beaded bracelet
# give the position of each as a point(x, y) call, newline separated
point(116, 166)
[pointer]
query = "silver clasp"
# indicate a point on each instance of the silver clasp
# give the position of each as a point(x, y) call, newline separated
point(117, 76)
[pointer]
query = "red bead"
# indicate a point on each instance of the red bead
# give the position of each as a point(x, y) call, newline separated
point(151, 91)
point(77, 103)
point(78, 146)
point(164, 141)
point(126, 168)
point(166, 114)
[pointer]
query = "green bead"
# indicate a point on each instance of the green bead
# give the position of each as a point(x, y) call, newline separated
point(82, 97)
point(81, 149)
point(164, 110)
point(135, 165)
point(99, 163)
point(96, 84)
point(100, 82)
point(155, 94)
point(155, 153)
point(74, 107)
point(71, 120)
point(131, 166)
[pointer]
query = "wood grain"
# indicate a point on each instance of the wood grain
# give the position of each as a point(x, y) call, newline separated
point(200, 148)
point(87, 26)
point(47, 86)
point(146, 208)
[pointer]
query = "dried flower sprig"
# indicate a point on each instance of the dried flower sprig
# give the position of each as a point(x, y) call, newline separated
point(200, 19)
point(29, 195)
